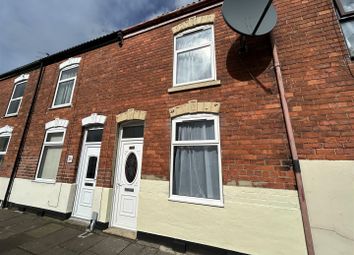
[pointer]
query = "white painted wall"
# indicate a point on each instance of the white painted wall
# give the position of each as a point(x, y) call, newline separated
point(58, 197)
point(102, 203)
point(329, 191)
point(3, 186)
point(254, 220)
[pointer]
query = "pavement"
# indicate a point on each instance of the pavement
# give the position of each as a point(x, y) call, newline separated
point(24, 233)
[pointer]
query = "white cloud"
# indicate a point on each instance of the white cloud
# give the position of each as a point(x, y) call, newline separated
point(32, 28)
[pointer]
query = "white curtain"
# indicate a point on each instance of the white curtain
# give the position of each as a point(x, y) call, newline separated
point(64, 92)
point(196, 168)
point(194, 64)
point(50, 163)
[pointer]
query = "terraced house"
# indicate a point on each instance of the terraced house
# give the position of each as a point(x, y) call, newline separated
point(164, 129)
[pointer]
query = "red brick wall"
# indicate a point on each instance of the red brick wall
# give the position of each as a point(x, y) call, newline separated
point(17, 122)
point(138, 75)
point(253, 139)
point(317, 76)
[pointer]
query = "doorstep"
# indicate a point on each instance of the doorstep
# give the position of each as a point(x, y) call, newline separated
point(130, 234)
point(78, 221)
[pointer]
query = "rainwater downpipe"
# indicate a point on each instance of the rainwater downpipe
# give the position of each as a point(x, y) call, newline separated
point(293, 150)
point(22, 141)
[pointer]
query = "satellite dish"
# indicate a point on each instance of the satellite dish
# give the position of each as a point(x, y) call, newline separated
point(250, 17)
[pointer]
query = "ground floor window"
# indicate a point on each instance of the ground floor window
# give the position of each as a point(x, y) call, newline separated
point(196, 164)
point(50, 155)
point(4, 144)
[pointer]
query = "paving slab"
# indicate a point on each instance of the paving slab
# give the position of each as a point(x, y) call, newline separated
point(7, 214)
point(79, 245)
point(44, 230)
point(13, 241)
point(150, 251)
point(58, 251)
point(43, 244)
point(26, 233)
point(133, 249)
point(110, 246)
point(16, 251)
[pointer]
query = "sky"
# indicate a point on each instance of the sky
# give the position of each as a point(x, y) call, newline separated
point(30, 29)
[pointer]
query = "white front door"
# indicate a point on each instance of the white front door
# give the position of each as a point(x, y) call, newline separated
point(127, 183)
point(86, 181)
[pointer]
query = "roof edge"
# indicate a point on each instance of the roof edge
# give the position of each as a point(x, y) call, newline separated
point(107, 39)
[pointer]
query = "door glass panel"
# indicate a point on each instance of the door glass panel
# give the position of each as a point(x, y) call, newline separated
point(91, 169)
point(131, 167)
point(133, 132)
point(94, 135)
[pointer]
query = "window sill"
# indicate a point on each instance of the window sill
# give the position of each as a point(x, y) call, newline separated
point(194, 86)
point(195, 201)
point(11, 115)
point(44, 181)
point(60, 107)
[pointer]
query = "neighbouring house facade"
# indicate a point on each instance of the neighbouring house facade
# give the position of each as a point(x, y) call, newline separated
point(165, 129)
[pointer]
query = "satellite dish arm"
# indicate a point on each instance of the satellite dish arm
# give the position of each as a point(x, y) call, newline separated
point(262, 17)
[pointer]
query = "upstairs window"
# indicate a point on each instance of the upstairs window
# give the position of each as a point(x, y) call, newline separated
point(194, 56)
point(16, 98)
point(346, 19)
point(65, 87)
point(195, 160)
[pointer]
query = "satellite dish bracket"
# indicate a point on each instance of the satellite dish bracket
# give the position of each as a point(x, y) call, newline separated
point(243, 45)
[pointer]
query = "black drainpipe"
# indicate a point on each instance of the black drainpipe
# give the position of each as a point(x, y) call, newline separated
point(22, 143)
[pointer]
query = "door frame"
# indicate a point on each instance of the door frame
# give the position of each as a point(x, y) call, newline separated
point(120, 142)
point(80, 172)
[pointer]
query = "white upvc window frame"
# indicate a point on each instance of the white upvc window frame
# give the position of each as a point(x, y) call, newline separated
point(3, 153)
point(176, 52)
point(62, 81)
point(49, 144)
point(15, 99)
point(215, 142)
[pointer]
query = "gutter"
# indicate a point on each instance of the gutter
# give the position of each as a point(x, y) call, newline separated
point(293, 150)
point(23, 138)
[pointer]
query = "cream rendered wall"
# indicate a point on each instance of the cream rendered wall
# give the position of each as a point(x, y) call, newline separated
point(102, 203)
point(329, 191)
point(3, 186)
point(57, 197)
point(254, 220)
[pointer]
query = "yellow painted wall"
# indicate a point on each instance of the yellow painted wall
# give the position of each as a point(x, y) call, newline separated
point(3, 187)
point(329, 191)
point(254, 220)
point(102, 203)
point(57, 197)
